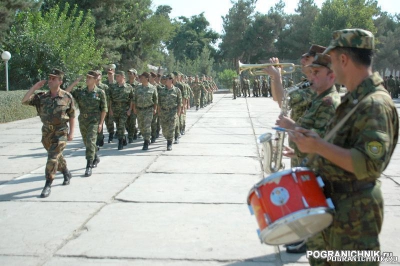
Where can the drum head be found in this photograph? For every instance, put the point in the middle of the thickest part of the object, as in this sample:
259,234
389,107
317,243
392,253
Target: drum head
297,226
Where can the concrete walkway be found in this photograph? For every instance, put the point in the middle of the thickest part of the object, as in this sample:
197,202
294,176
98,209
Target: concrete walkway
184,207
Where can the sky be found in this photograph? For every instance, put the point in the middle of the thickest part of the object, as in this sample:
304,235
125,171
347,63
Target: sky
214,9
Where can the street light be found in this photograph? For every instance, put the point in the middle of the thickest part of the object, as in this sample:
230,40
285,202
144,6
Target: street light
6,56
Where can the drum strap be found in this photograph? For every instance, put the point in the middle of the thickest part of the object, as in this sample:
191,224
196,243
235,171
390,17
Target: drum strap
311,157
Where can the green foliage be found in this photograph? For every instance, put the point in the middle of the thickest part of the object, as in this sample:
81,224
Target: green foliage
226,77
39,43
11,108
192,37
343,14
200,66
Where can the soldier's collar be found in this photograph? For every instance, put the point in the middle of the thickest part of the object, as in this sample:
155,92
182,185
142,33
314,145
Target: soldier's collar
367,86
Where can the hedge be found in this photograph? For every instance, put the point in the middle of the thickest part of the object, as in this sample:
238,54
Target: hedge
11,108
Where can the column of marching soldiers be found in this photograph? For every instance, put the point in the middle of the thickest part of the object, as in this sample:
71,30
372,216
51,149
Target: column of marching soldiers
261,86
145,91
392,85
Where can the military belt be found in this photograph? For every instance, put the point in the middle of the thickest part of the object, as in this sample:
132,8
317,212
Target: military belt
347,187
51,126
144,108
89,114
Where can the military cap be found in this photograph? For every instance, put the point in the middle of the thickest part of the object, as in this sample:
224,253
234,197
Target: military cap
352,38
176,74
170,76
153,74
321,60
122,73
145,74
164,77
56,73
111,68
132,70
92,74
314,49
98,72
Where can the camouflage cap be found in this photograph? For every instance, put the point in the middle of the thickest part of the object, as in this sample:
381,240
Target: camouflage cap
98,72
122,73
321,60
145,74
56,73
132,70
314,49
164,77
92,74
170,76
352,38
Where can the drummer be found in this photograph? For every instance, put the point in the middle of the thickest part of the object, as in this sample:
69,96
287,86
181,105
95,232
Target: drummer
316,118
360,150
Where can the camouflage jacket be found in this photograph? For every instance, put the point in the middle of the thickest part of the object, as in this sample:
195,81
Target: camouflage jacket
321,111
391,83
91,103
121,95
197,86
371,133
183,89
145,96
53,111
299,102
169,98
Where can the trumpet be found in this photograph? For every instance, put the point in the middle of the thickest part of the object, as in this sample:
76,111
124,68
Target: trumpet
257,69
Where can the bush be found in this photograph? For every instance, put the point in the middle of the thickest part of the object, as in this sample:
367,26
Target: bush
11,108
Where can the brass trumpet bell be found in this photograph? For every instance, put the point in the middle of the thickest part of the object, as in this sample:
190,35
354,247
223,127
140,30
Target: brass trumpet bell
257,69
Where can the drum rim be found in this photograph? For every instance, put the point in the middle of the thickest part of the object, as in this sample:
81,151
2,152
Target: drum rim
302,214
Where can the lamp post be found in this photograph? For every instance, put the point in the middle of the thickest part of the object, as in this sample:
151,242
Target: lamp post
6,56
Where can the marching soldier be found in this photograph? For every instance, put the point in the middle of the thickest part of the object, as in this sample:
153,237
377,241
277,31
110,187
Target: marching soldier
56,109
169,106
197,88
391,85
110,82
131,122
235,88
121,96
152,81
93,108
104,87
145,106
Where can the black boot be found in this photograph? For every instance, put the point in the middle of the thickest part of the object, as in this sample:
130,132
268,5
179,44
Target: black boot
120,144
110,137
183,130
124,141
176,140
135,136
100,142
67,176
169,145
47,189
153,139
96,161
89,167
145,145
158,134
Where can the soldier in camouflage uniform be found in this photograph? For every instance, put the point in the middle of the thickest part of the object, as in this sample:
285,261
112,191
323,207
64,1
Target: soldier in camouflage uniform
145,106
121,96
391,85
264,87
197,88
169,107
131,121
56,109
235,87
186,106
109,120
152,81
316,118
92,111
351,162
191,93
104,87
246,87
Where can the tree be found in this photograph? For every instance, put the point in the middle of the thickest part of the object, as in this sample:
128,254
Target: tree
226,77
343,14
8,10
295,38
40,42
192,37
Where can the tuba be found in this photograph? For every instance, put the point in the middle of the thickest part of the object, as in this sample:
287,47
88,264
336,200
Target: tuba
272,147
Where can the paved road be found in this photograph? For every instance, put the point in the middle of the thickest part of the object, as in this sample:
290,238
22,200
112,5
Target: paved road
184,207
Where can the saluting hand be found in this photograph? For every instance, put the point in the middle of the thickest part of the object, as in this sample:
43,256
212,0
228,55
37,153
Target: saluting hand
39,84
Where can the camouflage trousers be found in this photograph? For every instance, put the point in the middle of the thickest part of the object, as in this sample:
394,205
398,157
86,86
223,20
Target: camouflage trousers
182,120
109,121
197,96
210,97
145,117
357,222
234,92
131,125
316,243
54,140
178,126
88,127
168,120
120,118
154,125
246,91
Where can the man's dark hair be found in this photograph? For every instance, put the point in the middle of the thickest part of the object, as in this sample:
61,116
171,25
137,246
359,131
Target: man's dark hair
359,56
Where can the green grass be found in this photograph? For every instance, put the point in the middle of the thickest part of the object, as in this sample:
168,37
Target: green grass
11,108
